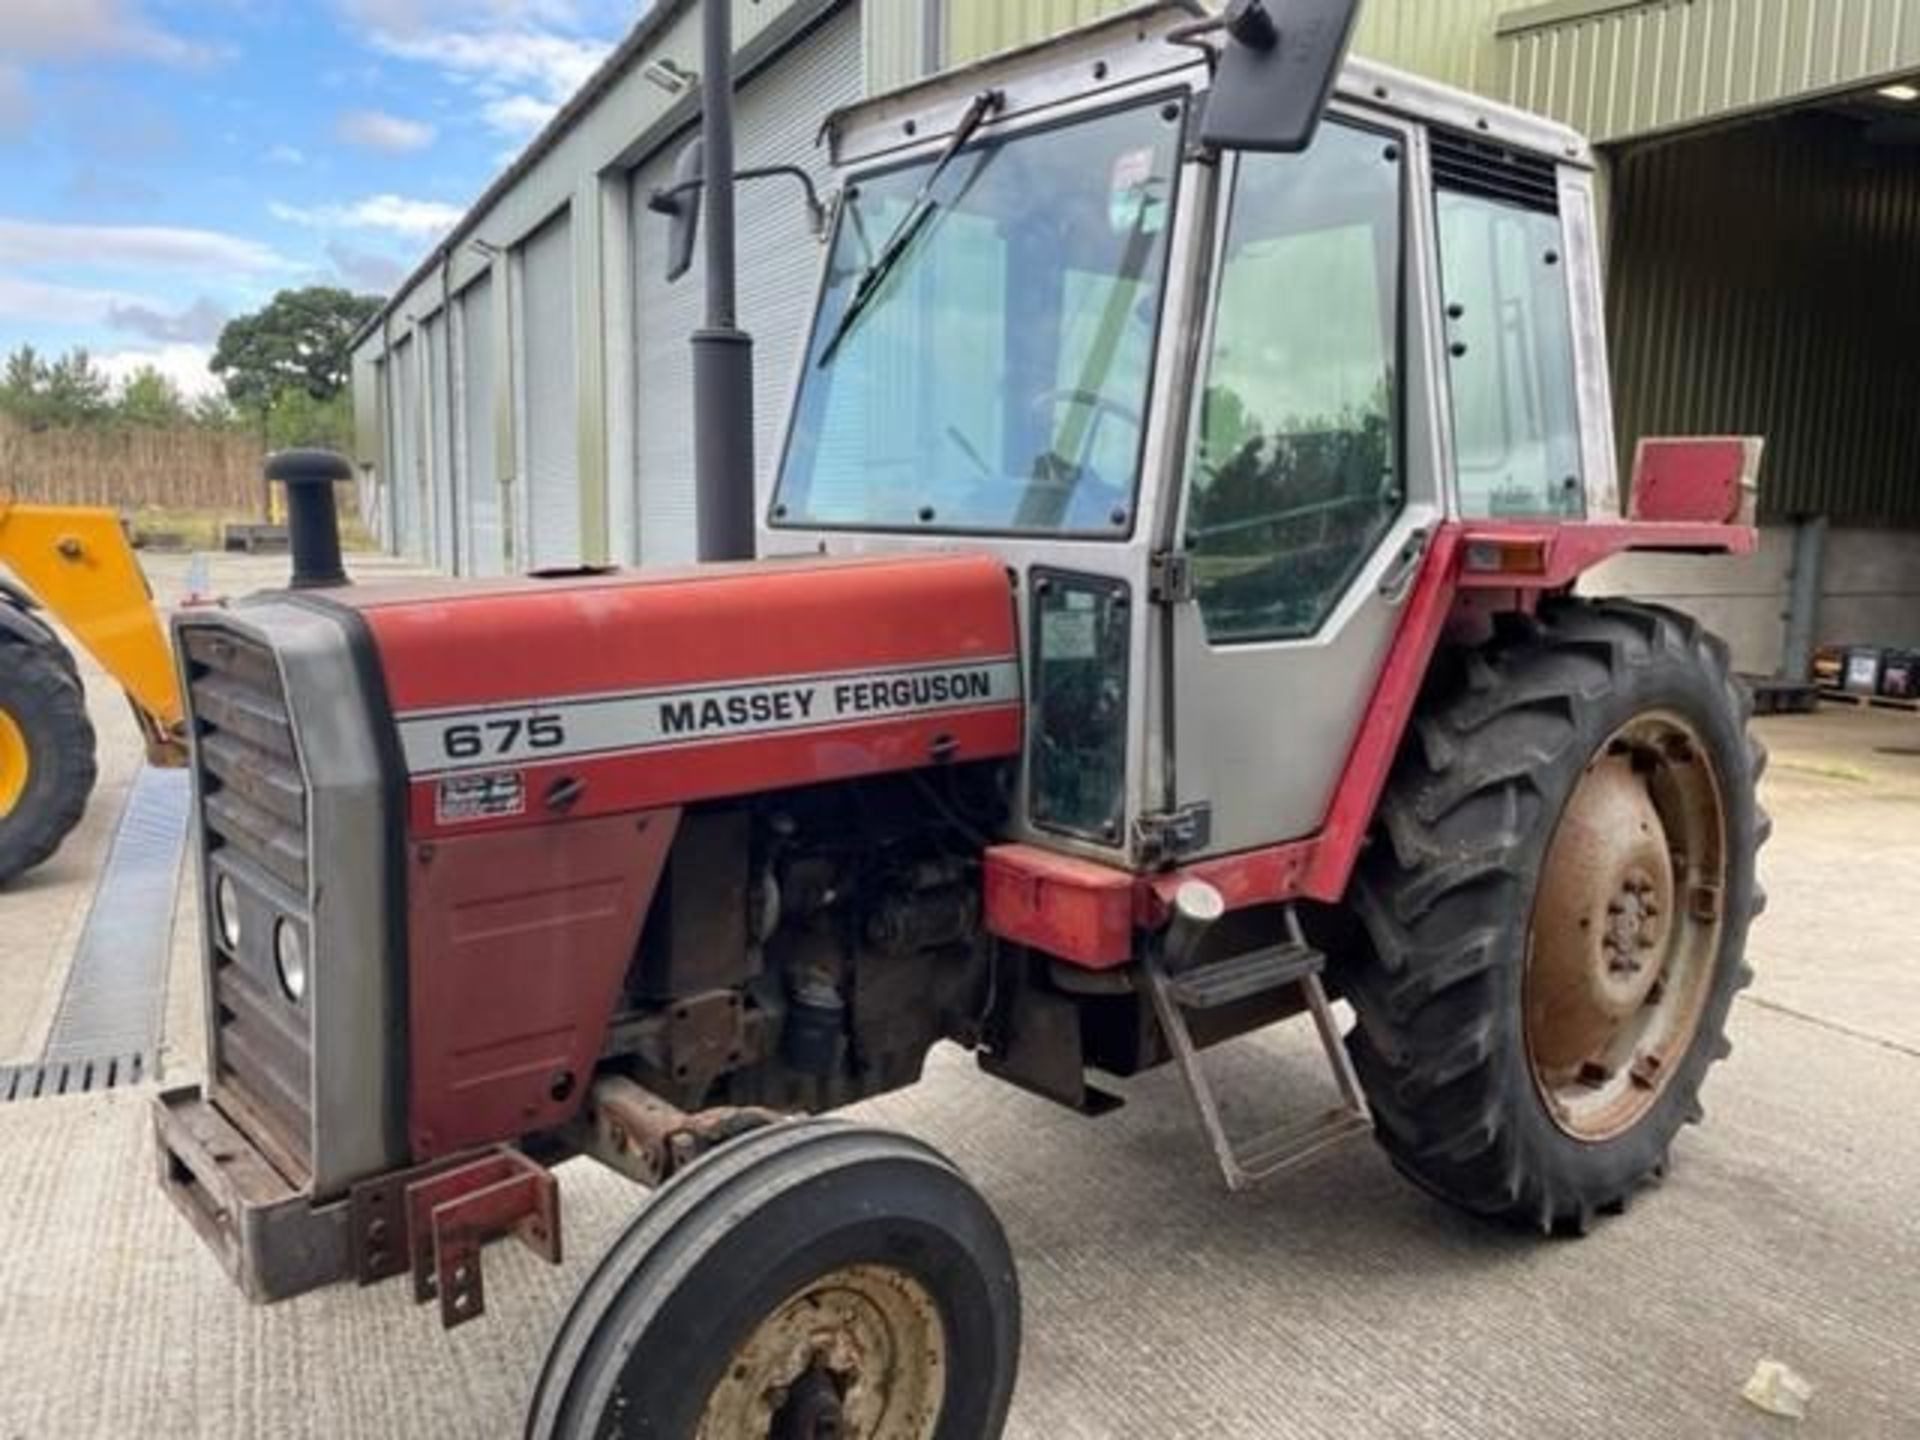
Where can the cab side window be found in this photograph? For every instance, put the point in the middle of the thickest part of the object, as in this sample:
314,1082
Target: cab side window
1295,472
1516,426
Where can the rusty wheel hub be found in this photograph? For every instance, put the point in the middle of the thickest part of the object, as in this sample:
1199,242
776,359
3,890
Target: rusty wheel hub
858,1355
1626,927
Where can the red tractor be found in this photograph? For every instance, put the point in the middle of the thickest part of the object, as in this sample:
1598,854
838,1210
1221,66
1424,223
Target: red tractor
1165,623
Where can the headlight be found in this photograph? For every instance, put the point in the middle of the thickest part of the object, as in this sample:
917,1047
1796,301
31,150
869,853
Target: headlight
226,912
290,959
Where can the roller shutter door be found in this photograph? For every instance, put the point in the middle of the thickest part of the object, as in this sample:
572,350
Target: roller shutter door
482,542
779,116
403,444
549,416
440,482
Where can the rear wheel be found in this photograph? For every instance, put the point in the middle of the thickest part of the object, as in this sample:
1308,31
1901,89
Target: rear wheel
47,767
810,1281
1558,902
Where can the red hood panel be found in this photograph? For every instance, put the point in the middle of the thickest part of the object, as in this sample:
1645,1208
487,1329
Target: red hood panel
530,700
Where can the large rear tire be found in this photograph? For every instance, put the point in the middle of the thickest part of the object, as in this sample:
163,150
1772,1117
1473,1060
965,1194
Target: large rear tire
1558,899
811,1279
47,765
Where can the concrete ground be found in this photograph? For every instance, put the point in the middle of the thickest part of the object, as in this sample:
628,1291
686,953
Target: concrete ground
1335,1301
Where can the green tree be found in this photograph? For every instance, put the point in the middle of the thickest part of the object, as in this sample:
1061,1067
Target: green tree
23,381
76,391
296,420
150,398
213,411
299,341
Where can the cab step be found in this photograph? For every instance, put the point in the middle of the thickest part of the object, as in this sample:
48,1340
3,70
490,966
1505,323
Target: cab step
1218,983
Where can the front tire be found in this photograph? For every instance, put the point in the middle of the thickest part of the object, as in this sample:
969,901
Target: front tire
813,1278
1558,898
47,766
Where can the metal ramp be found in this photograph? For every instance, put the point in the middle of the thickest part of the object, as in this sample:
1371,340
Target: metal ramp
1180,989
106,1032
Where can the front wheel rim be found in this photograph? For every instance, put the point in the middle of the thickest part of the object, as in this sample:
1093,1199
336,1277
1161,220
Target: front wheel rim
16,764
859,1354
1626,927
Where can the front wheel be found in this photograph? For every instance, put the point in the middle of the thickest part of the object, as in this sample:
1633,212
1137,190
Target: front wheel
47,766
1558,900
814,1280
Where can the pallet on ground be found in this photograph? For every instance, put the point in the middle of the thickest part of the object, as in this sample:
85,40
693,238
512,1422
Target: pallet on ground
1865,702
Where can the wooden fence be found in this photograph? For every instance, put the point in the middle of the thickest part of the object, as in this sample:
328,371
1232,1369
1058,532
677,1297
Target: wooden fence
132,469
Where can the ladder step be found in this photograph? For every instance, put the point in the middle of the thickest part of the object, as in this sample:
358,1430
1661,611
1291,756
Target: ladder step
1222,982
1269,1154
1247,1162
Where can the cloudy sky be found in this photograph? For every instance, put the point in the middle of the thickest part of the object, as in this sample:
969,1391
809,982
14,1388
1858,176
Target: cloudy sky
166,164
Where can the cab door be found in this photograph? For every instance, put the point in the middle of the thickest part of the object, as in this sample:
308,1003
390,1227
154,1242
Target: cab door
1312,478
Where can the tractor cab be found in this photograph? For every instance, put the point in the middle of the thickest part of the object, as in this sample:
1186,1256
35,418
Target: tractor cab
1210,397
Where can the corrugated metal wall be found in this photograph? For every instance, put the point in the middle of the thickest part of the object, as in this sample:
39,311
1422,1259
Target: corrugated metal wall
1764,282
1451,40
1662,65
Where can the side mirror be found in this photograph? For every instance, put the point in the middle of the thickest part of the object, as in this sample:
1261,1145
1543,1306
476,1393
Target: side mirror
680,203
1276,72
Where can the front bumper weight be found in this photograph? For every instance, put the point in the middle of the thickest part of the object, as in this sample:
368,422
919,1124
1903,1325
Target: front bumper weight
268,1235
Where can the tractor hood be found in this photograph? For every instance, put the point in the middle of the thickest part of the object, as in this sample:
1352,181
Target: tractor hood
519,700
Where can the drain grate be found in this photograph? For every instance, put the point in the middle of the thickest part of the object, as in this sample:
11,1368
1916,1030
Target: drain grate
107,1029
70,1077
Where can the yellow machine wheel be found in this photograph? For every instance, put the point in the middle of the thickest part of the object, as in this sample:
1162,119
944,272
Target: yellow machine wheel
47,765
16,764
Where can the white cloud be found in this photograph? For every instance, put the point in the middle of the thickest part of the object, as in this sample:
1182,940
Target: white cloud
551,65
44,303
519,59
518,115
185,365
286,155
414,218
87,29
377,130
34,242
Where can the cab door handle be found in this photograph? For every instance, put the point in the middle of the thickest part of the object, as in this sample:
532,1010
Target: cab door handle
1398,581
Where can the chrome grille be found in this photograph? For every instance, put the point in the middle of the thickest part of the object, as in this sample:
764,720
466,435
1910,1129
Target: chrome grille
253,812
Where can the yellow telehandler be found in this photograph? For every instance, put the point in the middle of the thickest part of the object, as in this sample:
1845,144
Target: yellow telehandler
76,565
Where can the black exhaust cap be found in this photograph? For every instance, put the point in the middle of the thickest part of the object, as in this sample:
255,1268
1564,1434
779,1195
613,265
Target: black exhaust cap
313,525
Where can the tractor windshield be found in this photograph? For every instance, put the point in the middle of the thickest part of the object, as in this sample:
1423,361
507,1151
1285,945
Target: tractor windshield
996,377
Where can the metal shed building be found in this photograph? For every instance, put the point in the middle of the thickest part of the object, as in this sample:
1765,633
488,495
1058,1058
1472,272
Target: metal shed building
523,398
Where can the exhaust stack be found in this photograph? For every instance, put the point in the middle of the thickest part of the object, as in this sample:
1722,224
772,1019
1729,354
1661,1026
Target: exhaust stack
722,352
313,525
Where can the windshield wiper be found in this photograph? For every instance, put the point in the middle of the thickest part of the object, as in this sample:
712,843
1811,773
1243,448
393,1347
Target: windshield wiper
912,223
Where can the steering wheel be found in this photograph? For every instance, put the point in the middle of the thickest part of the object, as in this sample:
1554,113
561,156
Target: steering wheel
1068,480
1047,401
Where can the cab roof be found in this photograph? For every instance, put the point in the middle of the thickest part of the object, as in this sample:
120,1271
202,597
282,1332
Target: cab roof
1131,47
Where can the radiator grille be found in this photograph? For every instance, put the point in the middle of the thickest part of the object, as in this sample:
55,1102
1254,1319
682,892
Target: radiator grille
253,811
